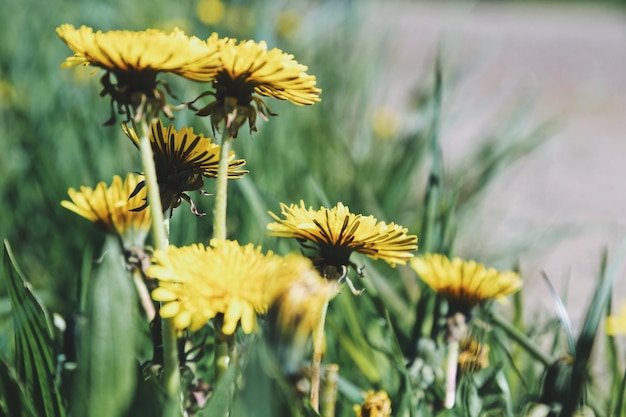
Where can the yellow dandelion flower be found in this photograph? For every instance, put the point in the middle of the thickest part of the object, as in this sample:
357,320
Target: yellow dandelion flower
465,283
197,283
334,234
135,59
112,208
248,68
183,159
473,355
298,294
616,324
375,404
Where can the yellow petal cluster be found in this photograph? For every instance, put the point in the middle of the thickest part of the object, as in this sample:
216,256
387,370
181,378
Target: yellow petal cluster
110,207
182,158
336,233
272,73
198,282
150,50
184,151
298,294
616,324
375,404
465,283
473,355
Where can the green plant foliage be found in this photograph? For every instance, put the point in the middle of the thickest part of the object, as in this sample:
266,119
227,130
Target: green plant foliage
108,344
35,353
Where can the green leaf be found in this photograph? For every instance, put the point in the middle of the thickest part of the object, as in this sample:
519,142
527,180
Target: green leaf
106,372
34,342
220,401
12,398
584,345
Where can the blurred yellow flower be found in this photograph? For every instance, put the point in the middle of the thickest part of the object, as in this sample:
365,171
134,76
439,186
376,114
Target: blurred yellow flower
375,404
182,159
210,11
465,283
112,208
247,68
287,23
473,355
298,294
385,123
197,283
136,58
334,234
616,324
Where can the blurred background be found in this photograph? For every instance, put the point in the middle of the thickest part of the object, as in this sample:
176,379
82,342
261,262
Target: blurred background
532,128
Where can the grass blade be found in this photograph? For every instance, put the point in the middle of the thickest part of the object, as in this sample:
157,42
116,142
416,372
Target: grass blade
586,339
34,342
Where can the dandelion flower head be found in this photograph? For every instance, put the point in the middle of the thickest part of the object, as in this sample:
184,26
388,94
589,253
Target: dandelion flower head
465,283
334,234
183,159
249,68
112,208
375,404
135,58
197,283
298,294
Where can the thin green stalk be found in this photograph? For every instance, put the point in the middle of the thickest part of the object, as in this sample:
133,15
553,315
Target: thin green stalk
171,374
223,351
316,362
329,394
436,171
159,231
221,193
521,338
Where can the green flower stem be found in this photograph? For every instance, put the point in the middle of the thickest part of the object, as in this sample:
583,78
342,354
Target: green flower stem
159,229
222,355
521,338
221,193
171,374
329,394
223,351
316,362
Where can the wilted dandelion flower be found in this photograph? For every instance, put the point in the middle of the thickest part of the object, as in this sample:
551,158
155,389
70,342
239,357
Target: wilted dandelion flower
197,283
135,59
464,283
375,404
111,208
183,159
334,234
248,68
